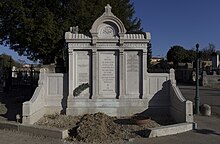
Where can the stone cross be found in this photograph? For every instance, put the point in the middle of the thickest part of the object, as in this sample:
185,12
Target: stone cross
108,10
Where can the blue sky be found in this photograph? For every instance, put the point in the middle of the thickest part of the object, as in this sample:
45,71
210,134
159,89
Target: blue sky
174,22
14,55
180,22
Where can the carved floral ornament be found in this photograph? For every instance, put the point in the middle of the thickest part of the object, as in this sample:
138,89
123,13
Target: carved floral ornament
107,31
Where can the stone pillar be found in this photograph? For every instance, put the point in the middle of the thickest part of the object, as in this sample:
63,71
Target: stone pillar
215,60
144,73
71,73
121,73
94,73
172,77
204,79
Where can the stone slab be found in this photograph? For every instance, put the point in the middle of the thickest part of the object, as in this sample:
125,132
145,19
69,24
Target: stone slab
107,73
171,129
35,130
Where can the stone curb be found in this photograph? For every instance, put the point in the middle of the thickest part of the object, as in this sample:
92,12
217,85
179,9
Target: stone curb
62,134
35,130
171,129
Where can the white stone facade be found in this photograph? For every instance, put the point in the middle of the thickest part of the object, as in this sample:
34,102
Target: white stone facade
112,62
107,73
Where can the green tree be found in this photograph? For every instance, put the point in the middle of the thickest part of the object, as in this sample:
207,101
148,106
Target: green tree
8,61
190,55
35,28
176,54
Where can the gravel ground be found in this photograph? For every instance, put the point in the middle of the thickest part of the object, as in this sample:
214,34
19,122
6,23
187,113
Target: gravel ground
15,137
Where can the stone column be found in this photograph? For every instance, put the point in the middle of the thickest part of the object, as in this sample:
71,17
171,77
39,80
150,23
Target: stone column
144,70
71,73
121,73
172,77
94,73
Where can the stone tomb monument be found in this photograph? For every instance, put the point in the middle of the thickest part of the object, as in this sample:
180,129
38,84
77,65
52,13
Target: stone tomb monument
112,63
107,73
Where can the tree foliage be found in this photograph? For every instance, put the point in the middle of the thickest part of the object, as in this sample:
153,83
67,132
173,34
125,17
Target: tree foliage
179,54
35,28
8,61
206,53
176,54
191,55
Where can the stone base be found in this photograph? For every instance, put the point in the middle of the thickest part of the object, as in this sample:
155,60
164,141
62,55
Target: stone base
171,129
112,107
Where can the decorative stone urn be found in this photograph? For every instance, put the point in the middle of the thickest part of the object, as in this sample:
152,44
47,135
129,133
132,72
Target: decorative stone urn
205,109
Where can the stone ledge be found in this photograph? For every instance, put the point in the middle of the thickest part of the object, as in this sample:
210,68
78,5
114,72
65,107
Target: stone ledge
171,129
62,134
35,130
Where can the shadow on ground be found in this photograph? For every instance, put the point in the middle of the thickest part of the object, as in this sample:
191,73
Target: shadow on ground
124,121
206,131
11,102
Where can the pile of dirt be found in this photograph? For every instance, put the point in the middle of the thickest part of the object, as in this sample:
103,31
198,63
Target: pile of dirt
98,127
58,121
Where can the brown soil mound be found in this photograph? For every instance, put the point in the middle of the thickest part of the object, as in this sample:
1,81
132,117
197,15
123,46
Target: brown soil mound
96,127
58,121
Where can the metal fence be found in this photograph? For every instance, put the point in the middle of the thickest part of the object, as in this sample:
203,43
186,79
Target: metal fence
21,83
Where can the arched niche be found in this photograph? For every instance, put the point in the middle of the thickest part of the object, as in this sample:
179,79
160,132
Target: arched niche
107,26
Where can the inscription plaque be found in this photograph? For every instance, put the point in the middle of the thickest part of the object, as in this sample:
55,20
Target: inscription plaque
107,73
132,72
83,69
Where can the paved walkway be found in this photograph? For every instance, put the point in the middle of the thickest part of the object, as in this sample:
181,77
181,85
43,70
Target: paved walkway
13,137
208,132
207,95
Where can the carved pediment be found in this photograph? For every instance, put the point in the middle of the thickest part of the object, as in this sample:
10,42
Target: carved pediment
107,29
107,26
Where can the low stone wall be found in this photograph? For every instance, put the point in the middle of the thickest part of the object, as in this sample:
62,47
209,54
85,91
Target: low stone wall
181,109
162,97
211,80
157,94
56,92
49,97
35,108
